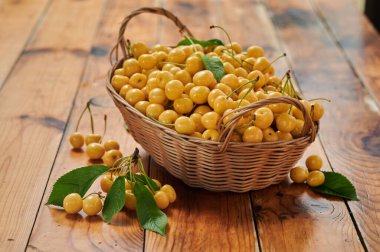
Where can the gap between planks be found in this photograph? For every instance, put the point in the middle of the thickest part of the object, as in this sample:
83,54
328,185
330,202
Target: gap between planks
334,37
33,32
67,119
114,8
280,44
360,186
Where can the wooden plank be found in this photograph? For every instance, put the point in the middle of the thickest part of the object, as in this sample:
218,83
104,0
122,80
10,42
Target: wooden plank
293,218
53,227
360,42
349,130
204,221
34,105
201,220
18,22
289,218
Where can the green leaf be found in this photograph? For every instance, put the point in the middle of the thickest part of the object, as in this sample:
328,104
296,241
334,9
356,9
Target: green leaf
75,181
203,43
214,65
115,199
337,185
149,215
143,179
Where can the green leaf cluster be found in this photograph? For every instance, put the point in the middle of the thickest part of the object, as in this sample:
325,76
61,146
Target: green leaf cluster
80,180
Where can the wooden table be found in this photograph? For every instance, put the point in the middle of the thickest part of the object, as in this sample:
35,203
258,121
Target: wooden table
54,58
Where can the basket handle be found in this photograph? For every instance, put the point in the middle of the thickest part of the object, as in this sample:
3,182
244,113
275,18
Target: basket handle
231,124
122,43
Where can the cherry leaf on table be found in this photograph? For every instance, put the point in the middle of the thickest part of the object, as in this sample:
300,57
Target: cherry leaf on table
337,185
214,65
115,199
149,215
76,181
203,43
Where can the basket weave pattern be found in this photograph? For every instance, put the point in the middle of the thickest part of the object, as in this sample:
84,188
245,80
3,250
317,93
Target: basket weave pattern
215,166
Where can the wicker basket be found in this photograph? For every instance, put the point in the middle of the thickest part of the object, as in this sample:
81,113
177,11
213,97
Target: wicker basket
215,166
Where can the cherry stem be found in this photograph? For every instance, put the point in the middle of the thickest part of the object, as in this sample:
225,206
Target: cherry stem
176,64
279,57
273,61
91,117
141,168
312,111
249,90
285,75
161,123
105,128
80,117
119,163
292,92
245,125
232,56
97,193
290,109
129,47
249,63
320,99
225,32
242,85
189,38
135,154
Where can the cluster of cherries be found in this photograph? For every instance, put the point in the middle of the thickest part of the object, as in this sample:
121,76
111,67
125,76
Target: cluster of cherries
312,175
172,87
95,149
92,204
111,156
163,197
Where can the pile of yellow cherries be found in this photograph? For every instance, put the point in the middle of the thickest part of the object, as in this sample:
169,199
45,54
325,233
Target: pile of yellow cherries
172,87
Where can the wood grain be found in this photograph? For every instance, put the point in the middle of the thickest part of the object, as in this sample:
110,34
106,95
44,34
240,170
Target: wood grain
329,60
289,217
200,220
34,106
54,227
293,218
204,221
349,131
18,22
360,43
